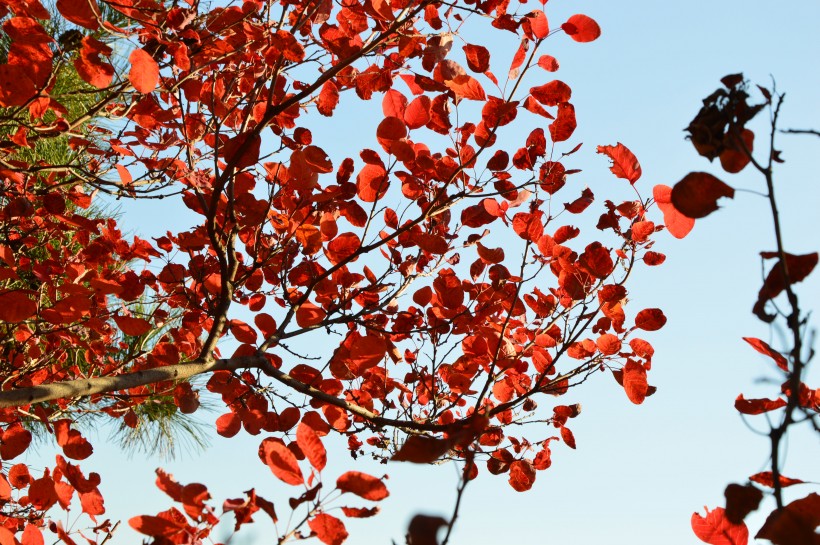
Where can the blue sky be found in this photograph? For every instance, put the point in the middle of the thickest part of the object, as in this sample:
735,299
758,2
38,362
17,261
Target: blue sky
639,471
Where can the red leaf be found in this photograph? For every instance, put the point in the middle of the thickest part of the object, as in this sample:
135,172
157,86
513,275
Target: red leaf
478,58
552,93
32,536
465,86
650,319
568,437
329,529
735,160
758,406
539,24
242,151
795,524
74,445
144,74
418,112
282,462
328,98
312,446
228,424
767,350
17,306
394,104
343,247
363,485
608,344
16,88
581,203
360,512
564,125
155,526
634,382
166,483
581,28
85,13
740,501
548,63
372,183
14,442
766,478
242,332
799,266
90,65
696,195
421,449
490,255
133,327
624,163
308,315
522,475
391,129
717,530
679,225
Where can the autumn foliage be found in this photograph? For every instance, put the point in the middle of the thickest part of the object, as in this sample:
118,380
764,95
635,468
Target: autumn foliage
467,281
719,131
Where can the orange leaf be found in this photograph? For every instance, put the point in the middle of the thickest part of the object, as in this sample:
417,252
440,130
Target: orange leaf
634,382
144,74
363,485
679,225
624,163
465,86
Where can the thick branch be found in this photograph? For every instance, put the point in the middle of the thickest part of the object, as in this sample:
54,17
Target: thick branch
100,385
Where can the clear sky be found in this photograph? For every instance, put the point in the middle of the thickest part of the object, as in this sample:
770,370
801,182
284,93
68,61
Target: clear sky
639,471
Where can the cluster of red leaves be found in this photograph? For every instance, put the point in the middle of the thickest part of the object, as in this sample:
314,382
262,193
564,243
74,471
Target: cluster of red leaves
214,109
719,131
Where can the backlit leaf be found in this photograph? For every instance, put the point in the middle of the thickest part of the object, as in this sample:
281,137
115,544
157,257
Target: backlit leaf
716,529
328,528
312,446
624,163
144,73
758,406
282,462
581,28
17,306
362,485
678,224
